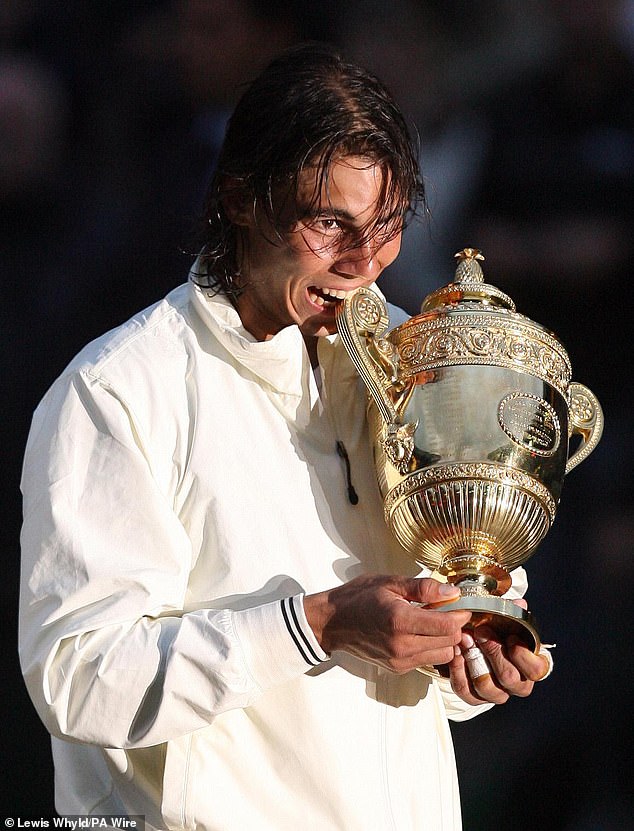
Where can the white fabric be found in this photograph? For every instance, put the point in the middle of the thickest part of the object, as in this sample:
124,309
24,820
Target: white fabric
180,481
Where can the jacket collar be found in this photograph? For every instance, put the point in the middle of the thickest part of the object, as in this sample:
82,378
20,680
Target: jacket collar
281,362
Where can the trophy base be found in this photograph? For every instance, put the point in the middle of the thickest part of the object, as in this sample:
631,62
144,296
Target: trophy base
499,614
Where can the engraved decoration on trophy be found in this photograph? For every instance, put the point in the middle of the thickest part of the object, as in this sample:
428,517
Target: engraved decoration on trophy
472,411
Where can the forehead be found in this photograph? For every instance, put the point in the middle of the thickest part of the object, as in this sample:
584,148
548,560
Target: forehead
349,185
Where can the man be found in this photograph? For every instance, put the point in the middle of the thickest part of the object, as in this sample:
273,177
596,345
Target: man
207,629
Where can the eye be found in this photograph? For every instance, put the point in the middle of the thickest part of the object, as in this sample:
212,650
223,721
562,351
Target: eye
328,224
325,232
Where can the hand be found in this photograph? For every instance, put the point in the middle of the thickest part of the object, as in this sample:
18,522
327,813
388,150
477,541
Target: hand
373,618
514,668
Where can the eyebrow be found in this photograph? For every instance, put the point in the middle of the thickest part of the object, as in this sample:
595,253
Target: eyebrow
315,211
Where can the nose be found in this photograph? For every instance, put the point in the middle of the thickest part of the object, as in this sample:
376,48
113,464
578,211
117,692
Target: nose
360,261
368,259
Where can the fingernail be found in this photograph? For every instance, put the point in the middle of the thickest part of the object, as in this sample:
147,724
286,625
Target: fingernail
448,590
467,640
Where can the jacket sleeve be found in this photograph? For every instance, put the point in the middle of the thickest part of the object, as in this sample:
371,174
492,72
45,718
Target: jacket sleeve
108,652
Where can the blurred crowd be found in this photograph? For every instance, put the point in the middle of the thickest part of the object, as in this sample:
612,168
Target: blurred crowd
111,116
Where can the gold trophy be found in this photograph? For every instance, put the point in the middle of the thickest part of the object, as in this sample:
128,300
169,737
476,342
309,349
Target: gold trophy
471,413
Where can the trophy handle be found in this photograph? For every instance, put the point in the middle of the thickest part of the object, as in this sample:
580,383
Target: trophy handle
361,320
586,419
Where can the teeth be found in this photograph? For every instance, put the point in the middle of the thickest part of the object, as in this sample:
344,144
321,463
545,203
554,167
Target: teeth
339,294
335,294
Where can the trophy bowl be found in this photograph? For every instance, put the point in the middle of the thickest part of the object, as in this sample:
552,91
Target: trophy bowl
472,410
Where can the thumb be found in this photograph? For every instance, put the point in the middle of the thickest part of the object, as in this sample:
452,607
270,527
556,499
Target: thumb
428,591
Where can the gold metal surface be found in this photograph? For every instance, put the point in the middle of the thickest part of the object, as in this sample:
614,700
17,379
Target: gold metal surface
471,411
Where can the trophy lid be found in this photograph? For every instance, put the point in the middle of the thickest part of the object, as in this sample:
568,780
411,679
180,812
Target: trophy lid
469,321
468,285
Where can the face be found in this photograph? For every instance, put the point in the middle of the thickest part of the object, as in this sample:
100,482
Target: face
300,279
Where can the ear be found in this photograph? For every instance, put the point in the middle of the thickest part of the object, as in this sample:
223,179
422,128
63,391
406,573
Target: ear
236,201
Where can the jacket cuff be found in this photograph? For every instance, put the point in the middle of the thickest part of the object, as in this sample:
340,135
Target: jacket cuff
276,640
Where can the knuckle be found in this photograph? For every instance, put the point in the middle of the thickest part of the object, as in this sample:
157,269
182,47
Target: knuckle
446,655
461,688
398,655
397,634
449,624
499,697
491,648
398,665
507,677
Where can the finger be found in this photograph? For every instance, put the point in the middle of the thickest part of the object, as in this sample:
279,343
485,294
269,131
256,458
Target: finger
461,681
481,676
426,590
432,643
416,652
506,674
433,654
531,666
476,663
437,623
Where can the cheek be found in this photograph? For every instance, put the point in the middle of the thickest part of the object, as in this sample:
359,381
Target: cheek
390,251
310,262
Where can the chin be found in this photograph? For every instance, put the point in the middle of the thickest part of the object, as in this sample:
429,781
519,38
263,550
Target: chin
319,331
318,328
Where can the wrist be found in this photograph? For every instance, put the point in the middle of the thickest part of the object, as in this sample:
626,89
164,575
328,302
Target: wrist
319,610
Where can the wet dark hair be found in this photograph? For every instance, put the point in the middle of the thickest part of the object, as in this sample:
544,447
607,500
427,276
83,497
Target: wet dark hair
308,108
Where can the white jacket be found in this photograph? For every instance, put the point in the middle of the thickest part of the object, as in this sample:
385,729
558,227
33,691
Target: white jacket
182,491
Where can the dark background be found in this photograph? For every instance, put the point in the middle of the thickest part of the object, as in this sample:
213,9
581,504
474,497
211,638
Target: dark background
110,118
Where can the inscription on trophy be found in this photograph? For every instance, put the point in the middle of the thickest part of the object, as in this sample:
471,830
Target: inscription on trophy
530,422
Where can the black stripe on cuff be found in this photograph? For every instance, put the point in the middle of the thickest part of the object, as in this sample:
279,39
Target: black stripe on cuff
302,643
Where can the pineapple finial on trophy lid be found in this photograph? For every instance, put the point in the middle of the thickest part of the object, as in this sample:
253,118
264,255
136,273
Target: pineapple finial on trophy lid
468,269
468,286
